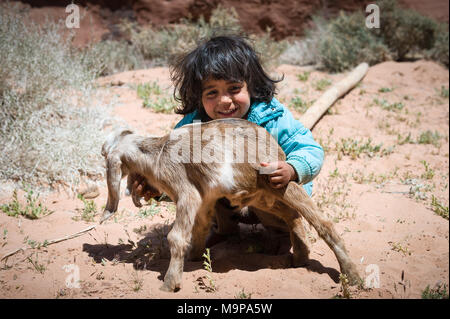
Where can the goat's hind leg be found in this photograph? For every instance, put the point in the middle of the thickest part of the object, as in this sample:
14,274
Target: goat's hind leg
296,197
288,220
202,225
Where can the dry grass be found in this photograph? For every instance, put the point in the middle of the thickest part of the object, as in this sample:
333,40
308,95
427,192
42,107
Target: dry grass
153,46
51,115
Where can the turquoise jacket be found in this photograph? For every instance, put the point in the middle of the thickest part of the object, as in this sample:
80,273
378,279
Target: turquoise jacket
302,152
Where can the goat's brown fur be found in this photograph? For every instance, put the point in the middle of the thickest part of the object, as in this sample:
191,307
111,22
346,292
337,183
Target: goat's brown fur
195,188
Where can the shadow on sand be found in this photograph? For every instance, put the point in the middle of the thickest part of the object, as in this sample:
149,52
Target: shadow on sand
253,249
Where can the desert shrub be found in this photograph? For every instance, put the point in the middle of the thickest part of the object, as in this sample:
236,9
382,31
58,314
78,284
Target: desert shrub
439,52
343,42
110,56
159,43
346,42
438,292
49,130
405,31
300,51
153,46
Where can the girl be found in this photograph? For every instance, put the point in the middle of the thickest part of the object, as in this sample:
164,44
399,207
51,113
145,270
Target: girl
223,78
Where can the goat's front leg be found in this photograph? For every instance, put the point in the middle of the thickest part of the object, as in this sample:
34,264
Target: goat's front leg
113,177
179,238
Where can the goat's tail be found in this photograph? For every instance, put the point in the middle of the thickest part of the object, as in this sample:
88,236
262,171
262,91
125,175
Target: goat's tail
113,177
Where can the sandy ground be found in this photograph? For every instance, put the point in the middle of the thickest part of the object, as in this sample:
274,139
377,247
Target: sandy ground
380,202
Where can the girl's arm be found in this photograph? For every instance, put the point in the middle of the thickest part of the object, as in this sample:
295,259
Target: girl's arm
302,151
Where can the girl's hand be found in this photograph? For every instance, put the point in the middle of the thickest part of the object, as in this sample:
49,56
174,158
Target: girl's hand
143,189
283,174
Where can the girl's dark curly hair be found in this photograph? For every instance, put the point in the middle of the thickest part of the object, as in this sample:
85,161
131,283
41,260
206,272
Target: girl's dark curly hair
228,58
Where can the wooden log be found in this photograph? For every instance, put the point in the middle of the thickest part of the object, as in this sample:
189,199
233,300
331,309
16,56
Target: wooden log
318,109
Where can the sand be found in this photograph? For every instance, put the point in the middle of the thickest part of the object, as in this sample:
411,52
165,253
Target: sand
381,204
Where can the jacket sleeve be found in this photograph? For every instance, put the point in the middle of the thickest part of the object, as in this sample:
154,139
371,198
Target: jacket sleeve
302,151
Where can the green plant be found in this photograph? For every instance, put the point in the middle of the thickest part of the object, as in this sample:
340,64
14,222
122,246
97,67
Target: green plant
444,92
385,90
429,137
304,76
385,105
35,244
322,84
398,247
89,210
161,105
438,292
150,93
152,210
32,210
344,42
429,173
207,265
39,267
404,140
345,287
438,208
354,149
439,52
405,31
137,282
359,177
299,104
243,295
144,91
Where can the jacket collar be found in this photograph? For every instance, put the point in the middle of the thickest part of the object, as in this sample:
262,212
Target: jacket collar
261,112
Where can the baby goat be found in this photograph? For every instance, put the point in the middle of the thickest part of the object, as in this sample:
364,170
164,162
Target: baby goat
200,163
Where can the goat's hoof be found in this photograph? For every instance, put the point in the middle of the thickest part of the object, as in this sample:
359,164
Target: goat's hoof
353,276
106,214
170,286
354,279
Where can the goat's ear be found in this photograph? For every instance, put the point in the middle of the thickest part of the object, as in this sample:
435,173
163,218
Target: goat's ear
112,139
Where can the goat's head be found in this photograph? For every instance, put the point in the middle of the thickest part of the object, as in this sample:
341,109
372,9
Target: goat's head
113,138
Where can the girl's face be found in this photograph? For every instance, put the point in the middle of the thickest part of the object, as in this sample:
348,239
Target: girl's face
225,99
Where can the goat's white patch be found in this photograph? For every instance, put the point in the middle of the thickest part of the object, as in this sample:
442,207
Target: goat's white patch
226,178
